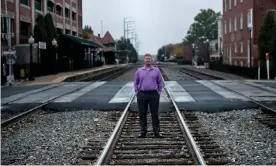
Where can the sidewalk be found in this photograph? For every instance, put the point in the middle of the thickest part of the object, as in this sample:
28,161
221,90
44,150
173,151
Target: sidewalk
57,78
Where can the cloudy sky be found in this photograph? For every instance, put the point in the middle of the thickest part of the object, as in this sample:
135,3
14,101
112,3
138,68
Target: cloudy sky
157,22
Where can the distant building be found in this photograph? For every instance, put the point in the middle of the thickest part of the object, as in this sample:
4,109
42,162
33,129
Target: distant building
67,17
237,14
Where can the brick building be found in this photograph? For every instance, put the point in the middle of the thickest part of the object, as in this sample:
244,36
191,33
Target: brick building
237,14
67,16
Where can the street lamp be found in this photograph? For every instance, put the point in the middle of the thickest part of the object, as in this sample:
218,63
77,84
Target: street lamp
250,27
207,46
54,43
31,42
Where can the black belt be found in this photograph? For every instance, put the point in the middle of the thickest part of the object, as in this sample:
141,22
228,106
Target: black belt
148,91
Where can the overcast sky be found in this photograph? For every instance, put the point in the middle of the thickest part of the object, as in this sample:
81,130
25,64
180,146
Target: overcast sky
157,22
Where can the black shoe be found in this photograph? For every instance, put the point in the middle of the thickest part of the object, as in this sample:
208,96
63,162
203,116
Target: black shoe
143,135
157,135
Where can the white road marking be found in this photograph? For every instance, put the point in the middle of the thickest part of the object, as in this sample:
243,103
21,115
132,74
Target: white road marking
124,94
249,91
221,91
178,93
72,96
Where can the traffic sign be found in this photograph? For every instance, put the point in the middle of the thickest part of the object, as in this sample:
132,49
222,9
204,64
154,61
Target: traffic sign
42,45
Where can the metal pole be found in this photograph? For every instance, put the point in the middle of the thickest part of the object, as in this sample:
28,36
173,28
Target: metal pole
250,48
31,78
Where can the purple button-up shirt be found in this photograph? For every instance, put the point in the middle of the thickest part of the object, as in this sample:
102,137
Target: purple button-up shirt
148,80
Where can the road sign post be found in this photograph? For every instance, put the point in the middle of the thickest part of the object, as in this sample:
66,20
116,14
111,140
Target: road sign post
11,57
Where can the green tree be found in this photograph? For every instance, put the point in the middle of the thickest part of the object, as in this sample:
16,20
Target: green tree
40,33
50,28
125,47
265,36
273,51
205,25
88,29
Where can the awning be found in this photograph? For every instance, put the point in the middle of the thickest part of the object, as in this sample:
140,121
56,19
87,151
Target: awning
81,41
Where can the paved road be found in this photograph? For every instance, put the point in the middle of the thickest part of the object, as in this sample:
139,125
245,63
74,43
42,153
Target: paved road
199,95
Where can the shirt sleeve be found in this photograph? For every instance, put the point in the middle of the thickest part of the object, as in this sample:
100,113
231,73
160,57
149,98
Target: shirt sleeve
136,81
159,82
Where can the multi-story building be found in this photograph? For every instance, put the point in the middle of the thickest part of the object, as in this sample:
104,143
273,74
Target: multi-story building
67,16
237,15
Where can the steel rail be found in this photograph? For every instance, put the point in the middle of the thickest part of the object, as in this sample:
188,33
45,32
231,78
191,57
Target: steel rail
112,140
186,129
7,122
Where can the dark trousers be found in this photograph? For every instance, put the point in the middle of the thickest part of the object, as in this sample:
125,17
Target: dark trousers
152,99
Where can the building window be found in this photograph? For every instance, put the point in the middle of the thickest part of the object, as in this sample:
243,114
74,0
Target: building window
241,22
230,4
230,26
59,31
50,6
241,47
67,13
4,25
67,31
59,10
225,27
235,47
235,23
25,28
38,5
74,16
241,62
235,2
74,33
249,16
24,2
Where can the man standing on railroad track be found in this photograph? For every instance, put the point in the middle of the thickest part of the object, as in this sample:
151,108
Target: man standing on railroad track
148,87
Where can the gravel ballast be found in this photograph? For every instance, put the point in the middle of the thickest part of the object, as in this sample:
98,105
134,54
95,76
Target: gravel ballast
52,138
245,139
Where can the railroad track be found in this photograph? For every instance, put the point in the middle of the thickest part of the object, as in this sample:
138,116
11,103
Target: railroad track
13,119
199,76
178,145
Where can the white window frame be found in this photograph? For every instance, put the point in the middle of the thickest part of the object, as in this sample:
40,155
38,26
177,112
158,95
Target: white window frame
241,50
225,27
230,25
235,23
241,21
230,5
241,1
235,47
235,2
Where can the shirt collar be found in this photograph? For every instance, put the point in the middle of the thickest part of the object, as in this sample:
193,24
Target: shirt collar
144,67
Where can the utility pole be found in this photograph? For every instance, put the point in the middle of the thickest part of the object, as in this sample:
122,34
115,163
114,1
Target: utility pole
10,54
126,32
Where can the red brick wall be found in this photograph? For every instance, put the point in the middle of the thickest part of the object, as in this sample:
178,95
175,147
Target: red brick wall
25,11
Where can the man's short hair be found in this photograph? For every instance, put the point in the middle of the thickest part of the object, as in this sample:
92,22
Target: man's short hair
147,55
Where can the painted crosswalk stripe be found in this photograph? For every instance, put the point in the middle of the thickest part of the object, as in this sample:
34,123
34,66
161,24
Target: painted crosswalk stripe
221,91
124,94
178,92
249,91
11,98
77,94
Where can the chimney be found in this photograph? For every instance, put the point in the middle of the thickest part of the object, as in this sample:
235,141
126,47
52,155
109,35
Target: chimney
99,35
